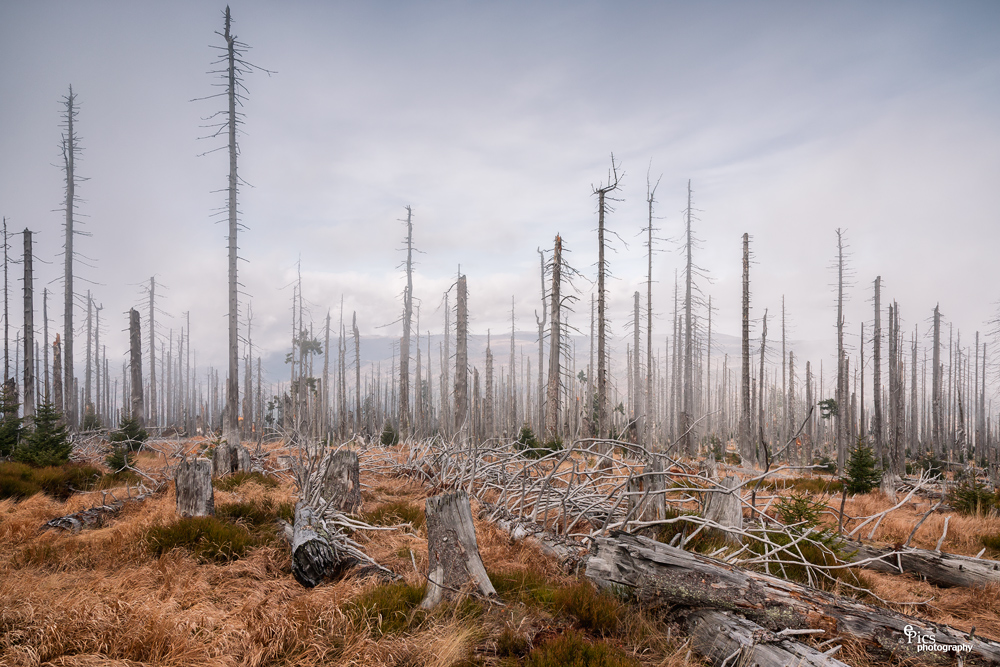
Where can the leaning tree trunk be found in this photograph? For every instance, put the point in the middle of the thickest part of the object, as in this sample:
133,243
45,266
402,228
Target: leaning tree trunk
452,551
195,496
666,577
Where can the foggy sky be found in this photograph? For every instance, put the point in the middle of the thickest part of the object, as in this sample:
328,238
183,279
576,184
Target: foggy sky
495,121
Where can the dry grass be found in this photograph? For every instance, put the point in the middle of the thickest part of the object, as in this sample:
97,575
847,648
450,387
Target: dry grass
101,598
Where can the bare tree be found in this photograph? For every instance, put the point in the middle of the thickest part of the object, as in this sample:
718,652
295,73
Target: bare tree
602,191
29,330
842,412
552,404
135,366
541,322
404,342
648,412
936,407
461,354
746,448
70,150
877,426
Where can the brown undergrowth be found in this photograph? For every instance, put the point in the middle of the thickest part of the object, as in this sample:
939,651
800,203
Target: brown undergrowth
104,596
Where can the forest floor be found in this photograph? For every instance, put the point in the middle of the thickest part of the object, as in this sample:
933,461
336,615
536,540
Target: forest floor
138,592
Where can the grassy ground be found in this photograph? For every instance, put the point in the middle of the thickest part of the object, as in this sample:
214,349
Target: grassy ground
135,593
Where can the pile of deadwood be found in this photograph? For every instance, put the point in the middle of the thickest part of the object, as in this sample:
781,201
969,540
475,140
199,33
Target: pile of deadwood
592,506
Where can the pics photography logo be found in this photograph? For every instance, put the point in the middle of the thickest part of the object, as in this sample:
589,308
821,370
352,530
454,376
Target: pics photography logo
927,642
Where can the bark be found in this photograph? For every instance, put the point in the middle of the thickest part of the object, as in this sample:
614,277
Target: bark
541,321
648,413
195,496
452,551
232,379
29,331
138,410
720,637
661,576
602,373
637,411
841,419
937,428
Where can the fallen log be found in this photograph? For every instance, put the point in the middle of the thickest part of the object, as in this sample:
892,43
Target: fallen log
662,576
93,517
727,639
938,568
313,557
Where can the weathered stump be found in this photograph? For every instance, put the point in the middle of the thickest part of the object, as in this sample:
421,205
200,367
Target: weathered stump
725,508
721,637
193,482
452,551
229,458
341,481
651,504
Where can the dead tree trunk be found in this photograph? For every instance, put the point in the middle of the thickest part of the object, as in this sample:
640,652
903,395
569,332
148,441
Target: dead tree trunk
936,567
602,372
687,409
233,377
726,509
153,420
57,384
541,321
842,416
721,637
135,367
666,577
461,355
746,449
555,340
357,371
649,415
637,410
29,331
452,551
70,150
877,427
313,558
341,483
404,342
193,482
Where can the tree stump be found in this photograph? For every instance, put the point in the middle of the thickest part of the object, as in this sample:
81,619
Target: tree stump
195,496
452,550
726,509
229,458
341,482
651,504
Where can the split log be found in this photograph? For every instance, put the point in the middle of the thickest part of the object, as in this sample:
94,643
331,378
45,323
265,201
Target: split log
940,569
193,483
725,508
726,639
313,557
341,481
452,550
663,576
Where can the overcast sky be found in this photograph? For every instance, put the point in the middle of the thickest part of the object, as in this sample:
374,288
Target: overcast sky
494,121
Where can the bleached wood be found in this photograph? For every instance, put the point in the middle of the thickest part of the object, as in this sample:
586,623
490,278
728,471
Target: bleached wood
452,551
663,576
195,495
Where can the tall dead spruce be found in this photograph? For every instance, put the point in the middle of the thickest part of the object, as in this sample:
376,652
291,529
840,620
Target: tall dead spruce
70,150
235,68
602,191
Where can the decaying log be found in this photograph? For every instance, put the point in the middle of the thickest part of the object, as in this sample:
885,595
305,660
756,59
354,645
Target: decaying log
726,509
727,639
195,496
567,551
940,569
93,517
313,557
341,481
452,550
663,576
